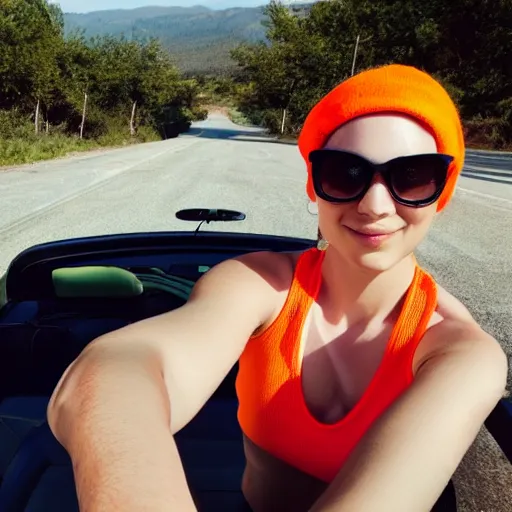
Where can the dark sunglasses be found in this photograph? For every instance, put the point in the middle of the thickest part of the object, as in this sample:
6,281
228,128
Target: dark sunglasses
416,180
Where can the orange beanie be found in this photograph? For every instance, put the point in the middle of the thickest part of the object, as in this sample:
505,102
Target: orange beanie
391,88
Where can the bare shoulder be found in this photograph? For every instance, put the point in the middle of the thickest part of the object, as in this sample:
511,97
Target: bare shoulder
451,308
456,334
275,268
262,271
256,280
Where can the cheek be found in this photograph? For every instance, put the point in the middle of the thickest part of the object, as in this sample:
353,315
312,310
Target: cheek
329,216
418,220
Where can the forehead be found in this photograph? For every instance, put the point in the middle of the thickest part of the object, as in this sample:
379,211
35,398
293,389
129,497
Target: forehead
382,137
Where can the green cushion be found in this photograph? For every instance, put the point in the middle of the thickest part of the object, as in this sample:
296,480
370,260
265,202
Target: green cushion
95,281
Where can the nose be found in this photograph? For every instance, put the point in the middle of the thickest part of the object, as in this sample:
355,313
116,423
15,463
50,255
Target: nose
377,202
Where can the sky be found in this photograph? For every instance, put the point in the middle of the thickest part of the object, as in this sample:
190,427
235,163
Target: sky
97,5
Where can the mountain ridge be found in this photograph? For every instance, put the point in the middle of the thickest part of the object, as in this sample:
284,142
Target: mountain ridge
199,38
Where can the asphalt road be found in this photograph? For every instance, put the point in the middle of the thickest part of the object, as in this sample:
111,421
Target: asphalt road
218,164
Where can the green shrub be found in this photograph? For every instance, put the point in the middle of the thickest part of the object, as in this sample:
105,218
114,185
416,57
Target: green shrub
14,125
19,143
488,132
238,117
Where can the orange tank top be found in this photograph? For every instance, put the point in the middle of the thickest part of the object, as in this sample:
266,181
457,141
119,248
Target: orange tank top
272,410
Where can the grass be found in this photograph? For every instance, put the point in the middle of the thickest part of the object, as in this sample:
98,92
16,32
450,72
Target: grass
24,151
17,151
20,145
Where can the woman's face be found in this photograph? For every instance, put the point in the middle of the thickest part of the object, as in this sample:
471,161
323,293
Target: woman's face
378,138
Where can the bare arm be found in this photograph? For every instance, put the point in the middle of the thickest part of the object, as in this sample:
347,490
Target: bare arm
408,456
118,404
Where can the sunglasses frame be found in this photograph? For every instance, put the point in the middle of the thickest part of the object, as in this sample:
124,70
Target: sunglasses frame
383,169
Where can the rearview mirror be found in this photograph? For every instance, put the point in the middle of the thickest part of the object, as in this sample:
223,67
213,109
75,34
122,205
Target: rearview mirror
209,215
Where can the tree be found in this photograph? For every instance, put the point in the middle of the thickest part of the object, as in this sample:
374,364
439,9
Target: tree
30,36
279,70
311,49
89,86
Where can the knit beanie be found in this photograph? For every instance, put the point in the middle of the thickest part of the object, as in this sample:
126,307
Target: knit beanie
390,88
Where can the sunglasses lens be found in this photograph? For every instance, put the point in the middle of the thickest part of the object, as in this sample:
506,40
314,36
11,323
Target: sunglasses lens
341,176
419,178
416,180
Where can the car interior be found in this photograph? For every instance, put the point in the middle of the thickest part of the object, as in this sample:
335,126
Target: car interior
62,297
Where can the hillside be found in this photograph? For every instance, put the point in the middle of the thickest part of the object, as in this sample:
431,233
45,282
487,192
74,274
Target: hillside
199,38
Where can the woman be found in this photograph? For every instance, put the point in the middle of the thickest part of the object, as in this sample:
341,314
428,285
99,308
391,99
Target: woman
362,383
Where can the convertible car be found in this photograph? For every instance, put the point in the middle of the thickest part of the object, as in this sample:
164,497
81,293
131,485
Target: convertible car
62,295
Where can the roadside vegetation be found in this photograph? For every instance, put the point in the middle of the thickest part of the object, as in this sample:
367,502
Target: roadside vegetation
466,44
221,94
64,94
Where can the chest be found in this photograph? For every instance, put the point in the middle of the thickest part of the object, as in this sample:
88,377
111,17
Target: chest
338,364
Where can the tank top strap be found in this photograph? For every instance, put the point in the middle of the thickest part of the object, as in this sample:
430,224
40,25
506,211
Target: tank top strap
420,303
308,273
304,288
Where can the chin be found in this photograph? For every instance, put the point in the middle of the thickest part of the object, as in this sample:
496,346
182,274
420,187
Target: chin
377,261
370,260
374,255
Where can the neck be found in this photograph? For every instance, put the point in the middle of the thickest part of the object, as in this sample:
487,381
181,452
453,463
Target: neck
362,295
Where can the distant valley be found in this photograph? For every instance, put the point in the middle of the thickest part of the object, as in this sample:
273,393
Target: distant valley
200,39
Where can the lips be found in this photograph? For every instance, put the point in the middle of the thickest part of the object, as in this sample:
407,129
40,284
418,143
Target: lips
372,238
371,232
